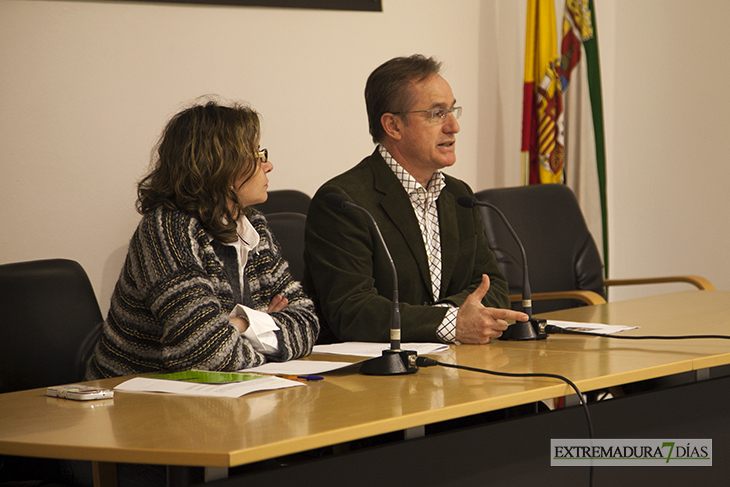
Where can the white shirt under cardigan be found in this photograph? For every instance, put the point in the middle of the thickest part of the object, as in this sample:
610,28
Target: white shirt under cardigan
260,331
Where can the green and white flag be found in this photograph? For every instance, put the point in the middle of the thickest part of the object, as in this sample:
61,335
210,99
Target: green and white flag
585,154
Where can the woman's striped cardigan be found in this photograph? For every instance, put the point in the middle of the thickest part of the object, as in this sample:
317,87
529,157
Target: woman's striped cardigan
169,310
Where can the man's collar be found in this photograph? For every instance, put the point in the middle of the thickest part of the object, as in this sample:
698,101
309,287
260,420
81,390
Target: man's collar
411,185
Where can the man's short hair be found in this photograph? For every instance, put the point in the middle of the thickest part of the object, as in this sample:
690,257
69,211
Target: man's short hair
388,89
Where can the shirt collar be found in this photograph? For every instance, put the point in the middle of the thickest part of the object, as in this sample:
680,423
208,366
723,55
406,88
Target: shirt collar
248,237
435,184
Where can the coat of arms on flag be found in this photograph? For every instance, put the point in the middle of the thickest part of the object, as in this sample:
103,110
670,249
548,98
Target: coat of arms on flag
562,117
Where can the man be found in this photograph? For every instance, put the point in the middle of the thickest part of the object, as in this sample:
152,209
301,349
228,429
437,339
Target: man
450,288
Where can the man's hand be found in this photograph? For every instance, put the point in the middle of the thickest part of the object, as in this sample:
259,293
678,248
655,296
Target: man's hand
476,323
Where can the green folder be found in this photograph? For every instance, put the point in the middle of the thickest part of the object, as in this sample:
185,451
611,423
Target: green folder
206,377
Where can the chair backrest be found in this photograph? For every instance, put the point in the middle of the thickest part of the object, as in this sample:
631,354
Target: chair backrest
561,253
48,318
285,200
288,229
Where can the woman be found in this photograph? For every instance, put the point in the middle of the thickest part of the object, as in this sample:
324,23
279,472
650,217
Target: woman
204,285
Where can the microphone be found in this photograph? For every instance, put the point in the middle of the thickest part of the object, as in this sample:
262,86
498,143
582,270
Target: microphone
394,361
532,329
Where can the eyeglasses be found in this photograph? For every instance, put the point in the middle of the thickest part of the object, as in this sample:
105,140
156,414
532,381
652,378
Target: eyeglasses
263,155
437,114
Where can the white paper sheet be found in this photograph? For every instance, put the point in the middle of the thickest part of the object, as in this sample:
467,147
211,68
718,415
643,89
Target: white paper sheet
297,367
369,349
590,327
231,389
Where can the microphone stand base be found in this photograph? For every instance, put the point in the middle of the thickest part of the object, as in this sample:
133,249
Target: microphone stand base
392,362
533,329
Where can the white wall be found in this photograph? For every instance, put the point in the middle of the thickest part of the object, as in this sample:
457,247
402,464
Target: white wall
670,140
85,89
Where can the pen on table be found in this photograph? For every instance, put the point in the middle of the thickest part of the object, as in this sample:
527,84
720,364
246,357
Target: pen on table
302,377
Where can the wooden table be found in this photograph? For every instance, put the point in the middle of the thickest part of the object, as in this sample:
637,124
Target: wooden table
347,406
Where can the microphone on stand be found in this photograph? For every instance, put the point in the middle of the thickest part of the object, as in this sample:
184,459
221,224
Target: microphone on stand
393,361
532,329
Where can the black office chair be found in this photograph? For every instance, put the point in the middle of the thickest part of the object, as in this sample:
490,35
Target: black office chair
285,200
288,229
49,318
49,323
565,268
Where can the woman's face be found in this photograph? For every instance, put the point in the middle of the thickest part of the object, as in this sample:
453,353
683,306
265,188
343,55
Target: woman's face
253,191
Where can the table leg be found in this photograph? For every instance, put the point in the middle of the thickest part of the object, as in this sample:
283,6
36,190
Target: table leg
105,474
181,476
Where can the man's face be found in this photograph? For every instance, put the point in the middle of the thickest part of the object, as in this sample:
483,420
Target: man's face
429,144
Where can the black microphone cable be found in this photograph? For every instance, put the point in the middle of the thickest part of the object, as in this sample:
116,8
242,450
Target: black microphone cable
422,361
553,329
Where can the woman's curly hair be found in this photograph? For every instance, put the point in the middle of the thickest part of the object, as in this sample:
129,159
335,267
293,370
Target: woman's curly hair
201,151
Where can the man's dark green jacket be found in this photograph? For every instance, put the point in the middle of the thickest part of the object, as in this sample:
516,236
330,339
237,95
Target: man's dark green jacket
348,273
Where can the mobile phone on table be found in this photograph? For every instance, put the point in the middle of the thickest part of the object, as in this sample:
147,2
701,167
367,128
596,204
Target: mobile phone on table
78,392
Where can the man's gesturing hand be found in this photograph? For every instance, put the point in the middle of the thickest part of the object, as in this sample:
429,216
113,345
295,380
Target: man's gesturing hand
476,323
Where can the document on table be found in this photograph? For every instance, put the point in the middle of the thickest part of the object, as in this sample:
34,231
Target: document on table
369,349
214,384
297,367
590,327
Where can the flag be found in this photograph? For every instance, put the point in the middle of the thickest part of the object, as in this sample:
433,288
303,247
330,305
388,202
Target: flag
562,112
585,156
542,144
